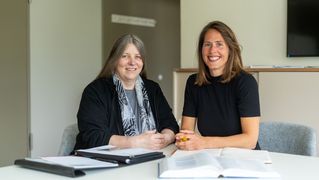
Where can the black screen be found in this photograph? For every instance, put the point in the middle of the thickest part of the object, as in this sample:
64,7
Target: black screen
303,28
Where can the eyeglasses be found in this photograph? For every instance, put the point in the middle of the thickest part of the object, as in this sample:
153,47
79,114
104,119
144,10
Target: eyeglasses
217,44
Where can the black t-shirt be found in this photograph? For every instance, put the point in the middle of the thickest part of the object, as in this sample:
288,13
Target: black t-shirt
219,106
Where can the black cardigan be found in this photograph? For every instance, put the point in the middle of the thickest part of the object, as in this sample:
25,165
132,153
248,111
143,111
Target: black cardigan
99,115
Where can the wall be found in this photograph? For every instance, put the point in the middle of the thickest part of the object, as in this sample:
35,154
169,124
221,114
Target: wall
260,26
65,55
290,97
13,78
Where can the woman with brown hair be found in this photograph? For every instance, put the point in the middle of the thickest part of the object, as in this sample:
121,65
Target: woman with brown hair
222,98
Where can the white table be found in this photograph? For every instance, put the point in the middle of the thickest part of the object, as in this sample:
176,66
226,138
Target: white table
290,167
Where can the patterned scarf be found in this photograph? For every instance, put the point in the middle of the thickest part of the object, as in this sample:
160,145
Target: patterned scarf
145,114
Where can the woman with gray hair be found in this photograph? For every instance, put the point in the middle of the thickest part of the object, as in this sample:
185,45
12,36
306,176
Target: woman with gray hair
123,108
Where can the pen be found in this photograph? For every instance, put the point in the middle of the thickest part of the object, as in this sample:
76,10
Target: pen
184,139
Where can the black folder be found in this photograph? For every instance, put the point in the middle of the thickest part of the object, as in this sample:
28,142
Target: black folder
131,159
49,167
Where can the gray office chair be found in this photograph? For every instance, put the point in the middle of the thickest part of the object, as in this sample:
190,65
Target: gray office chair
287,138
68,140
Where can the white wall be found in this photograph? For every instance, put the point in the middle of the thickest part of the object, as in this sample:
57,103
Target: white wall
65,55
260,26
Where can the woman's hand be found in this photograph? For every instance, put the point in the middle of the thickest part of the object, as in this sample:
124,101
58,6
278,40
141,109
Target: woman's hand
189,140
152,139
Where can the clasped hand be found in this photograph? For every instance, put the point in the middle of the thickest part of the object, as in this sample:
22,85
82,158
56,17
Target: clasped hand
151,140
189,140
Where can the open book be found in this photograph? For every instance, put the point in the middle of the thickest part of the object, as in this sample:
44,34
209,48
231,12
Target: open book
204,165
124,156
235,153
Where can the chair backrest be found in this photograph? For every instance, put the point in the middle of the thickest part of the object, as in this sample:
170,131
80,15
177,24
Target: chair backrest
287,138
68,139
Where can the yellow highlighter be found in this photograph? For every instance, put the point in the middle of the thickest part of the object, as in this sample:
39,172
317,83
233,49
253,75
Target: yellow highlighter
184,139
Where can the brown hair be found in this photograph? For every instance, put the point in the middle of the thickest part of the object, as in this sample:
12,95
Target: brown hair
117,51
234,63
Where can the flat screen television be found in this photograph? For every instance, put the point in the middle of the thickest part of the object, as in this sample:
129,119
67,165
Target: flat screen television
303,28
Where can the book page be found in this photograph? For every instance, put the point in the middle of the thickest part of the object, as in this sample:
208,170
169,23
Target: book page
212,152
248,154
79,162
197,165
246,168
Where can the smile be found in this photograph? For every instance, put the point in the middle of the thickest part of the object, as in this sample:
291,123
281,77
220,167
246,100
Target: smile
131,69
213,58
